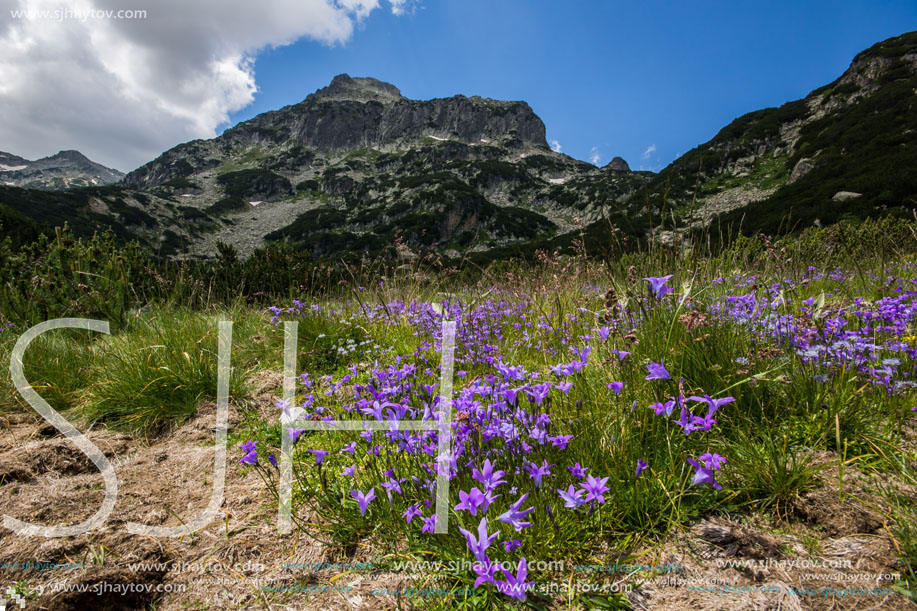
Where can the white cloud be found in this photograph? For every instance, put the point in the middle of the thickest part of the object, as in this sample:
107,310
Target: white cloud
594,156
124,90
401,7
555,146
649,151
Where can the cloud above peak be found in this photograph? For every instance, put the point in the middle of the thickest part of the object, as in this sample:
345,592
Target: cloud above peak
649,151
124,85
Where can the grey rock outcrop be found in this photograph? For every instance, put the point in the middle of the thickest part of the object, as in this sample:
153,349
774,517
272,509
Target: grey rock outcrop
618,164
361,89
846,196
802,167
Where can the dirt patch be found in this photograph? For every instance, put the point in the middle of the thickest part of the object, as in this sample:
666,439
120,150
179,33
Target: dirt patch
57,456
738,540
836,516
106,590
724,564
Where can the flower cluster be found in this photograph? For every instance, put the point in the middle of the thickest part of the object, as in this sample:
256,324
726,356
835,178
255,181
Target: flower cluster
511,425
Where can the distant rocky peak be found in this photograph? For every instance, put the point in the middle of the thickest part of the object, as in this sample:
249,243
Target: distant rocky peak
69,155
344,87
619,164
62,170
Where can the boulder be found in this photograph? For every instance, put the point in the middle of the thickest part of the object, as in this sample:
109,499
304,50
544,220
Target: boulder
802,167
844,196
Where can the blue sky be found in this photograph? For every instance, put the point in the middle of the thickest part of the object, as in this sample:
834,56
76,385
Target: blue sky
644,80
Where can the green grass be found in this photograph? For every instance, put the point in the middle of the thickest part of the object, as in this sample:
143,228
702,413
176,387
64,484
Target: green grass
56,365
159,365
148,376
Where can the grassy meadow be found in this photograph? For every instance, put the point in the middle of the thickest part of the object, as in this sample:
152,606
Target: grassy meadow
601,405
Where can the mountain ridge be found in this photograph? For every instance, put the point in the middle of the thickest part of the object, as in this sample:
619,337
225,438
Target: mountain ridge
65,169
356,166
357,169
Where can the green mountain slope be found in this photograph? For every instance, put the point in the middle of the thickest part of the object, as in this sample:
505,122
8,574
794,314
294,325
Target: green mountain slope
847,149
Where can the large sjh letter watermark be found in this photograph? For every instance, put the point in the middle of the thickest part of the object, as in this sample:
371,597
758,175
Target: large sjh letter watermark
443,426
99,459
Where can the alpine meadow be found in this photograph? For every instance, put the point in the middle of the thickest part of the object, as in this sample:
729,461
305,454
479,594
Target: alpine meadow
366,351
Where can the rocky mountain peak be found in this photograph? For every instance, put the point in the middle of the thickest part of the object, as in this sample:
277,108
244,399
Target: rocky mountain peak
59,171
344,87
11,160
69,155
618,164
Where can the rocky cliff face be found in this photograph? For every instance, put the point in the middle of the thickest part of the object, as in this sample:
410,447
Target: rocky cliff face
63,170
353,113
362,112
357,167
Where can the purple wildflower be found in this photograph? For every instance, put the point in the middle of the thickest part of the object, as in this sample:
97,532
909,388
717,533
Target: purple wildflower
473,500
515,514
412,512
391,486
363,499
578,471
319,455
616,387
685,421
712,404
642,466
485,570
658,285
512,545
515,585
666,409
479,546
536,473
488,478
572,498
251,454
703,475
657,372
429,524
295,433
595,488
714,460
